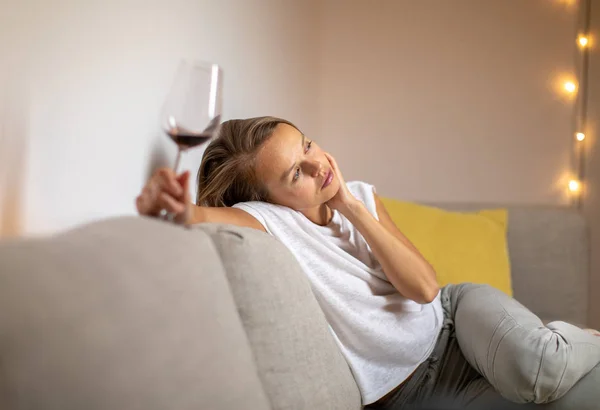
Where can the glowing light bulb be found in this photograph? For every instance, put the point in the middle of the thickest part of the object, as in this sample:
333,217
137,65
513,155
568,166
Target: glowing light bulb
580,136
583,41
570,86
574,185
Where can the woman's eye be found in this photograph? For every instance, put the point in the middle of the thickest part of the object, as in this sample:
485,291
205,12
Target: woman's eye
296,174
308,146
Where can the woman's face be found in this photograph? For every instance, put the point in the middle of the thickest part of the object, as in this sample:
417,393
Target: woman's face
294,170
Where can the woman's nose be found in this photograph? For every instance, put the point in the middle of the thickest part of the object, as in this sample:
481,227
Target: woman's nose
315,168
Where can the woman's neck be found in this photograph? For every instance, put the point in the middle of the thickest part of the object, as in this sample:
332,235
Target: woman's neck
320,215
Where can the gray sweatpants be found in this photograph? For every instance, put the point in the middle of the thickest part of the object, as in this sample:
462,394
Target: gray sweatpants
493,353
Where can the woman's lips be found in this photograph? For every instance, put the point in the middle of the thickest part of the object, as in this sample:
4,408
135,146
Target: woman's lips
328,180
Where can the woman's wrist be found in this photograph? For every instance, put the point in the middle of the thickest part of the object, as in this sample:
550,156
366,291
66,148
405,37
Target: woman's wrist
353,210
194,215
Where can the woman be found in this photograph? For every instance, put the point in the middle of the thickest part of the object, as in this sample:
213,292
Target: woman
406,342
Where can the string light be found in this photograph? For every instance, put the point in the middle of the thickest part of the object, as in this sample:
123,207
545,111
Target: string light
579,87
574,186
570,86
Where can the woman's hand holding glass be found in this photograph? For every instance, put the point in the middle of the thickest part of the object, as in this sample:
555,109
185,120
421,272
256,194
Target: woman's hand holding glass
166,191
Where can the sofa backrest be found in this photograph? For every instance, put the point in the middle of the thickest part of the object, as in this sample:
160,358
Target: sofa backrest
549,253
128,313
298,360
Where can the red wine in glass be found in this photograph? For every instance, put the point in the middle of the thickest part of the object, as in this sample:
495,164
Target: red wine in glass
185,138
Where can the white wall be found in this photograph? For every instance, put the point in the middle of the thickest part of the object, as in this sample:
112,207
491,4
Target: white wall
92,78
451,101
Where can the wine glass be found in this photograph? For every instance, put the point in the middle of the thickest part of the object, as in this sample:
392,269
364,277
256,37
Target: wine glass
191,114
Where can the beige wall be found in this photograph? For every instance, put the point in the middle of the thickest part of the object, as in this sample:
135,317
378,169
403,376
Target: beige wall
592,199
449,100
459,101
93,77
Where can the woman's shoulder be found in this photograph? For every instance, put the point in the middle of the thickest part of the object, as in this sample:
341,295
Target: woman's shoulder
266,209
265,212
260,205
361,188
364,192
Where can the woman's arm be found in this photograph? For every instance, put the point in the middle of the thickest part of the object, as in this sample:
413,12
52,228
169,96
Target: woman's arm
402,263
232,216
165,190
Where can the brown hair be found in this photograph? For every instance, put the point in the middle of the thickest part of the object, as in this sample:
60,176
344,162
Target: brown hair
227,173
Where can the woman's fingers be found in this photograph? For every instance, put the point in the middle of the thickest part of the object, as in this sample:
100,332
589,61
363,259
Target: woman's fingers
184,181
332,161
186,216
143,206
168,182
334,166
170,204
146,201
164,190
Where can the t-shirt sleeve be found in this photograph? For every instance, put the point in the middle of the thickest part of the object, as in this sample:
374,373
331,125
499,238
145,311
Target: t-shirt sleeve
253,209
371,191
365,192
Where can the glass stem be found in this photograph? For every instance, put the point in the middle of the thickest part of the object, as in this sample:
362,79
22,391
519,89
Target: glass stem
164,215
176,167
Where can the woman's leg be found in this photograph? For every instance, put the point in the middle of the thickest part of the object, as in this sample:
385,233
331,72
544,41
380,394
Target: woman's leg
446,381
459,389
585,395
522,359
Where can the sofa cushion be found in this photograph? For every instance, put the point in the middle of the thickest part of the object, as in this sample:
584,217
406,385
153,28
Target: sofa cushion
461,246
299,362
128,313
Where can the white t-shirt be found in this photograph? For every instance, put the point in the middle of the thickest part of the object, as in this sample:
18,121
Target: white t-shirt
382,335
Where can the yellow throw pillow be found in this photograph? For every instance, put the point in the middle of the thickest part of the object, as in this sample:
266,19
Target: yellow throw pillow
461,246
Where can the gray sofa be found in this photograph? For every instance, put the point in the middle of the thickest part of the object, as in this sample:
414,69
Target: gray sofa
134,313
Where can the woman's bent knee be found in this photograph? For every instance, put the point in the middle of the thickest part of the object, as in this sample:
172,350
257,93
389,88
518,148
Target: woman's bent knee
545,363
